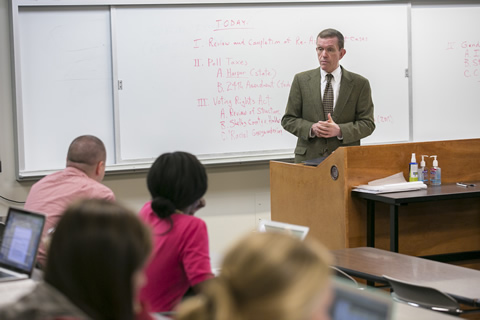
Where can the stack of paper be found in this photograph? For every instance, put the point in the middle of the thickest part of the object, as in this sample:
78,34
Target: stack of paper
394,183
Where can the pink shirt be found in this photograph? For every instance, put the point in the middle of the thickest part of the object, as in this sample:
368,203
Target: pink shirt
180,258
52,194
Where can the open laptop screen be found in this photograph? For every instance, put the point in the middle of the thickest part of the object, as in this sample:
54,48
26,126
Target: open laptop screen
21,237
282,227
354,304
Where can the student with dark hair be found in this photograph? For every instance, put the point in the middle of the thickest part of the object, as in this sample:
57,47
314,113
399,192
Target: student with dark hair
94,269
180,260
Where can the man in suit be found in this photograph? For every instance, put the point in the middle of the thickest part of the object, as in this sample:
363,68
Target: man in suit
319,130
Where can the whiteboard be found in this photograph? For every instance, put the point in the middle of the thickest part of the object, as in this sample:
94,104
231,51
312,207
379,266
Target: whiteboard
214,80
65,87
182,86
446,71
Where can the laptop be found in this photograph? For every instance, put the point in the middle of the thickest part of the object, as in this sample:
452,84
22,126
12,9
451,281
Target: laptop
352,303
275,226
19,244
314,162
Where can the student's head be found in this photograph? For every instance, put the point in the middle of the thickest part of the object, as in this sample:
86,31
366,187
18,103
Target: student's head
96,258
266,276
330,49
88,154
176,181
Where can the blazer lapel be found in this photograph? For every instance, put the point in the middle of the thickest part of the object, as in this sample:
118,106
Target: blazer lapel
346,86
314,84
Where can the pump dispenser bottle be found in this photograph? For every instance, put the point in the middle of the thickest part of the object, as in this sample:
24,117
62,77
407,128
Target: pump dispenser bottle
435,173
413,169
423,173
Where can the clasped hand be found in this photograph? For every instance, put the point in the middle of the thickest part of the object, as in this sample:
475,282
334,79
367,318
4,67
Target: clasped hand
326,129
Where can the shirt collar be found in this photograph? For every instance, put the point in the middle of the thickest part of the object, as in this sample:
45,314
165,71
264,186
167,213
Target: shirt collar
337,74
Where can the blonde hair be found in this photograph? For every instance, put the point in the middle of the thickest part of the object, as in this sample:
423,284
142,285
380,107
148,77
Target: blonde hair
264,276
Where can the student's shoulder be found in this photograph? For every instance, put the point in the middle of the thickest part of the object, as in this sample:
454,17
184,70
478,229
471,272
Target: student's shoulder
188,222
53,177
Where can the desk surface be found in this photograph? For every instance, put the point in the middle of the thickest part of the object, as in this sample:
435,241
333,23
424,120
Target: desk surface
372,264
432,193
403,311
11,291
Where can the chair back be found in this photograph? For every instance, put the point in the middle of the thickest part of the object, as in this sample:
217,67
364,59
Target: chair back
343,275
424,297
166,315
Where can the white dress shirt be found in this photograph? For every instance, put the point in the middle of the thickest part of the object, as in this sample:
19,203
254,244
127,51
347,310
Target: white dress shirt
337,77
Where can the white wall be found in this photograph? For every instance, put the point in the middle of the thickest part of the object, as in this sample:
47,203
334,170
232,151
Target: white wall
237,196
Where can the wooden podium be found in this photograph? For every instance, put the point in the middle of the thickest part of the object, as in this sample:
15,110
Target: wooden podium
311,196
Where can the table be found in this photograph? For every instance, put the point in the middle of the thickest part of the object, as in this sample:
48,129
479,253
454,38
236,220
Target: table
371,264
403,311
397,199
358,303
11,291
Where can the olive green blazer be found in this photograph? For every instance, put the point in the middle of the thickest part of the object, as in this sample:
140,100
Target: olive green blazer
353,113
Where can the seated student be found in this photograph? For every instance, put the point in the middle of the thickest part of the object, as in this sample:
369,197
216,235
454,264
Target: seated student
94,268
266,276
180,259
81,179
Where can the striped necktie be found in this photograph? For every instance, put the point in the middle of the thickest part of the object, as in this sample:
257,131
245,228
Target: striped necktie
328,96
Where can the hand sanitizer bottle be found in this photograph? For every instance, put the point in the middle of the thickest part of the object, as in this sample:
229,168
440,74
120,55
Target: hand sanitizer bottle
413,170
435,173
423,173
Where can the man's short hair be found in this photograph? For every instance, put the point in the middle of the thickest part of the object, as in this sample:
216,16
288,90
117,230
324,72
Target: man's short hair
332,33
86,149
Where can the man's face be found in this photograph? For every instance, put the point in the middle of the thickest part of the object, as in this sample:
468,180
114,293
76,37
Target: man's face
329,55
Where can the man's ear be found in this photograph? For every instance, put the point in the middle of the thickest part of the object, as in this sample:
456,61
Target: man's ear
99,168
342,52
